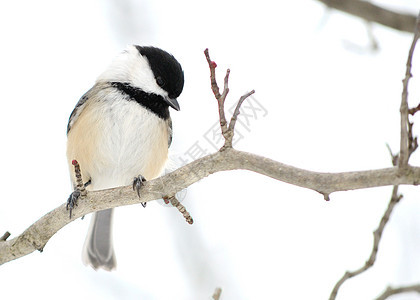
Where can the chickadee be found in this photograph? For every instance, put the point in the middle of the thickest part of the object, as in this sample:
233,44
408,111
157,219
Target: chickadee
121,129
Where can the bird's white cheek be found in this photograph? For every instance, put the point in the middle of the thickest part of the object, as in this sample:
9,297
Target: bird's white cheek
144,79
131,67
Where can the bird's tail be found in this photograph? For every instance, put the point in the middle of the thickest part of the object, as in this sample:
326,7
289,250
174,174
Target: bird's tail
98,251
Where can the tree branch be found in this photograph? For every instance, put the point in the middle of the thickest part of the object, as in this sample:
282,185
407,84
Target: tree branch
377,235
181,208
219,97
38,234
408,144
217,293
227,130
407,140
5,236
237,111
374,13
399,290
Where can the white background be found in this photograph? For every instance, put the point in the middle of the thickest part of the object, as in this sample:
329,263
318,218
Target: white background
332,106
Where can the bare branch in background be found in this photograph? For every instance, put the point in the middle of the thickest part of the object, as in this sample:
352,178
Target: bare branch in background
408,144
399,290
374,13
217,293
377,235
405,144
394,157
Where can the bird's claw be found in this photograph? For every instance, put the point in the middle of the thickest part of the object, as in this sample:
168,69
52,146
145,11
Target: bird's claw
137,184
72,201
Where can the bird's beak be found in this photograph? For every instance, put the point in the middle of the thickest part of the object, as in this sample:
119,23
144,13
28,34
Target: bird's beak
172,103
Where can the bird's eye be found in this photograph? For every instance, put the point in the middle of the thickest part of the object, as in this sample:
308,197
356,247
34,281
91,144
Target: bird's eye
160,81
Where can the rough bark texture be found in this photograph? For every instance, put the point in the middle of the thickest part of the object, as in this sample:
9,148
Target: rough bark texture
38,234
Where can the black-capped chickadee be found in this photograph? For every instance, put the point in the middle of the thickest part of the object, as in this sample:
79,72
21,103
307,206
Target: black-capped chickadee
121,129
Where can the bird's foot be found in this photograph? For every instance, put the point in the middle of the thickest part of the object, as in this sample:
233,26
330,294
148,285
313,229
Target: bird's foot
72,201
137,184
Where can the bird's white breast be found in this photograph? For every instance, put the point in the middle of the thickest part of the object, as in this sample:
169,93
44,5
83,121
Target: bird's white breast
115,140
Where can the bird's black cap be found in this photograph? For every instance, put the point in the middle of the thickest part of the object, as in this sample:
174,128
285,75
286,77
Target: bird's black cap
166,69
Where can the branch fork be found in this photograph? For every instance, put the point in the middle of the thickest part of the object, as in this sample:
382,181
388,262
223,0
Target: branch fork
407,143
228,130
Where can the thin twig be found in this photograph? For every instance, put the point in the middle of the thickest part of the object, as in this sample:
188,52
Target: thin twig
232,122
216,91
181,208
227,130
377,235
217,293
394,157
5,236
212,65
79,180
404,141
412,141
374,45
221,104
412,111
399,290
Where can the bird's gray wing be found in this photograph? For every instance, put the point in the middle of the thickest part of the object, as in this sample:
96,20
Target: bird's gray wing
169,123
81,104
77,110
